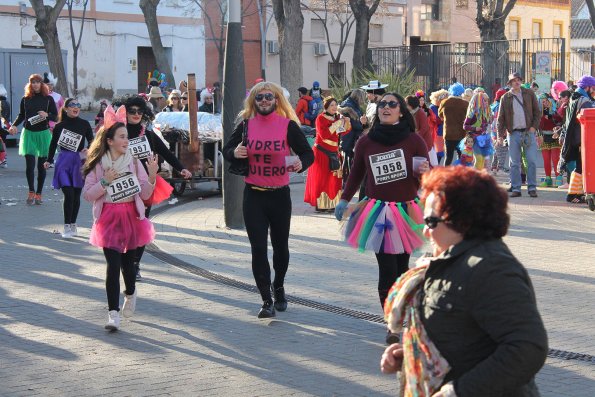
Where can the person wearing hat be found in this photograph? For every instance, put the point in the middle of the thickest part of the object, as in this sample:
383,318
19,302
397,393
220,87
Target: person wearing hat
570,134
374,90
155,97
302,106
518,121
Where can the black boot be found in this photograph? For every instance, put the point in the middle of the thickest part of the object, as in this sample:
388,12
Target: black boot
267,310
280,301
137,269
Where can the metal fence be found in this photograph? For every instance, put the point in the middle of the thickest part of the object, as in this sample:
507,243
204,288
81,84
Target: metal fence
473,64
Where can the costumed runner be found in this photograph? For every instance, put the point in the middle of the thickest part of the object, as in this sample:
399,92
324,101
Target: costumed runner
479,117
70,135
389,221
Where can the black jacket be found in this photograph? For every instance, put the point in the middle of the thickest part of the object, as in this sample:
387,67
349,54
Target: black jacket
479,309
157,146
29,108
77,125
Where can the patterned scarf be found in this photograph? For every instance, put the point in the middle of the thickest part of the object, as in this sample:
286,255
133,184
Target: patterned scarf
423,366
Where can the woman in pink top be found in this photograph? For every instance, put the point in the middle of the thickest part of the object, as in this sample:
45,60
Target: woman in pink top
263,141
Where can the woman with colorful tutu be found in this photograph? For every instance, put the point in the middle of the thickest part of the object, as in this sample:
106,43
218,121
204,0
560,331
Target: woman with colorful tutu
116,183
37,110
479,117
323,184
392,158
73,135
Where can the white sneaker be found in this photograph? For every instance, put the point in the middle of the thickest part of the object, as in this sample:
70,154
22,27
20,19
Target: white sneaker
67,233
129,304
73,230
113,320
3,164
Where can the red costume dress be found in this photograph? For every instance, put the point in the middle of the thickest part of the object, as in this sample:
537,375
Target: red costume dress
323,186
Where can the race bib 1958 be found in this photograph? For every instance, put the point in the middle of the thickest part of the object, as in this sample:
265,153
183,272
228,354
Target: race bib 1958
388,167
69,140
124,186
139,147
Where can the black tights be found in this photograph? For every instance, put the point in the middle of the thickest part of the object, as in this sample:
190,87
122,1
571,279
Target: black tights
115,262
261,211
390,267
72,203
30,172
451,146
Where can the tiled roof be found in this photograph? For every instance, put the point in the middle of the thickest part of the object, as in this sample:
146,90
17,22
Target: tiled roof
576,7
581,29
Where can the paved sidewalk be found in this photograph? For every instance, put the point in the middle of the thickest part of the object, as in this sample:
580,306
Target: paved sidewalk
191,336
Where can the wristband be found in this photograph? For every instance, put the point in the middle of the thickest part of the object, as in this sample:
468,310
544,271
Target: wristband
104,183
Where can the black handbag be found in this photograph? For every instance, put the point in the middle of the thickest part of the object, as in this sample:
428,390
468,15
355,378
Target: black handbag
240,166
333,158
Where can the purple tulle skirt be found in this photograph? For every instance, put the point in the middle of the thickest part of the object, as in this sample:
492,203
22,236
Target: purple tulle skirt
68,170
120,229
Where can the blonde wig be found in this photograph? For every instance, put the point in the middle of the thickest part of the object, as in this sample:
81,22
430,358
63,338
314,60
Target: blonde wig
438,96
283,107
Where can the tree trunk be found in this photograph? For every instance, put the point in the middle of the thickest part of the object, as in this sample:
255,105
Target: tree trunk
149,9
360,45
45,25
290,21
76,44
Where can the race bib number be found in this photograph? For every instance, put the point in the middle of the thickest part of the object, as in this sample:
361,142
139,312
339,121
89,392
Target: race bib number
69,140
35,119
388,167
139,147
124,186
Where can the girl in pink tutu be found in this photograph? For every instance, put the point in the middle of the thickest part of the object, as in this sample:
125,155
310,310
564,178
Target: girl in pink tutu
117,184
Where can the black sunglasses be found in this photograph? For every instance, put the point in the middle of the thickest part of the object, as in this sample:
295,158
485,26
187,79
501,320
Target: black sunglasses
268,96
433,221
184,98
134,112
391,104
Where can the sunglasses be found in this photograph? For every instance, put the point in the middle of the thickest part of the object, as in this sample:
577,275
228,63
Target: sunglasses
184,98
135,112
391,104
433,221
74,105
267,96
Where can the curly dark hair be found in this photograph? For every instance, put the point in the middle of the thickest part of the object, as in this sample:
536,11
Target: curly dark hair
470,200
130,100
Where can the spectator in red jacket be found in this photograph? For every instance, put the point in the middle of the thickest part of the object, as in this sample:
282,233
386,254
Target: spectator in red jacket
302,105
422,127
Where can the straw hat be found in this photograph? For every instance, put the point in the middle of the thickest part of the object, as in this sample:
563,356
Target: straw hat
155,93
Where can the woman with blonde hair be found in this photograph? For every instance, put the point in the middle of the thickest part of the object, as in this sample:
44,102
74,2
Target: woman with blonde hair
174,102
260,150
479,117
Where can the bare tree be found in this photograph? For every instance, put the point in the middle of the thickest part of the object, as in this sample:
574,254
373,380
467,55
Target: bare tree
591,7
149,9
46,18
76,42
363,10
340,13
290,22
491,18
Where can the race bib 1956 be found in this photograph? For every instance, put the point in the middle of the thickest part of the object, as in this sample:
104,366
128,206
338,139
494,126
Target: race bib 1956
388,167
35,119
69,140
139,147
124,186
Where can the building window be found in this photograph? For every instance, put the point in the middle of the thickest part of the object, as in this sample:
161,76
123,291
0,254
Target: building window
460,50
317,29
462,4
557,30
536,31
375,33
431,11
514,29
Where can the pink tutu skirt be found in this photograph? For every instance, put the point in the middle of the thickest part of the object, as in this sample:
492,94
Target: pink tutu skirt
385,227
119,228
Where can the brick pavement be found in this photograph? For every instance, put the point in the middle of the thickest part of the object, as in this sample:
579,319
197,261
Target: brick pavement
192,336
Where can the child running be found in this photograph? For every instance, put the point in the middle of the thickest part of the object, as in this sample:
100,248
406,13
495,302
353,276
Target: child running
116,184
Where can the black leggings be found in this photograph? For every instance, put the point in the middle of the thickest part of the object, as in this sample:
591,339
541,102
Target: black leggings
390,267
141,250
451,146
264,210
115,262
30,172
72,203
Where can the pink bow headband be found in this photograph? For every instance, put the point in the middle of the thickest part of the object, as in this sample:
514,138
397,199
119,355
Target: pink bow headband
110,117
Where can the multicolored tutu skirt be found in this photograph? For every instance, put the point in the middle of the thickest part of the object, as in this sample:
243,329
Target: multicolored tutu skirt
35,143
68,171
385,227
120,229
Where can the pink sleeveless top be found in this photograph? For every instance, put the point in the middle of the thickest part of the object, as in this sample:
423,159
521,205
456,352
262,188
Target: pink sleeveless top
267,148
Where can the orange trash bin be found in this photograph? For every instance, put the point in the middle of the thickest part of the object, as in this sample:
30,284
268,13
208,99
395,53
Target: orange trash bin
587,119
